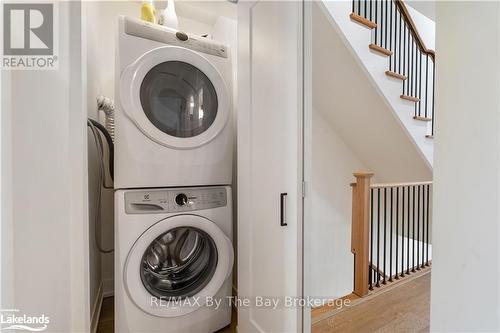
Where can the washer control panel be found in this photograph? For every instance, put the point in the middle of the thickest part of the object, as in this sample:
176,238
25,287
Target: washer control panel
174,200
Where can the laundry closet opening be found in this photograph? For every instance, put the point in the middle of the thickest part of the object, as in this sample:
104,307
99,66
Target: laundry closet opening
161,97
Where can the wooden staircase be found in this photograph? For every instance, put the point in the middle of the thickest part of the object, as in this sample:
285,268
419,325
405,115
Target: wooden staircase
395,36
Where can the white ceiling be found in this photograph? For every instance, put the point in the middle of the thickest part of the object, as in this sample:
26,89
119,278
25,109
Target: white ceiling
428,8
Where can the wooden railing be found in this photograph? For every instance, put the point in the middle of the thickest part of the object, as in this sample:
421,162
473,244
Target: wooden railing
395,34
391,226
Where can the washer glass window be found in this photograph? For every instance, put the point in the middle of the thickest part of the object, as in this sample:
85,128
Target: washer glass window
179,99
179,263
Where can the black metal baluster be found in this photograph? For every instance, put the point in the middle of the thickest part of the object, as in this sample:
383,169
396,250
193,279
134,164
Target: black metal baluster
381,22
392,61
428,241
426,81
378,237
371,5
385,234
399,54
376,20
403,233
397,232
390,34
353,2
371,240
420,84
415,63
385,22
390,238
408,85
366,11
424,217
433,95
413,69
415,76
411,66
410,63
404,57
407,59
359,7
413,234
418,227
408,235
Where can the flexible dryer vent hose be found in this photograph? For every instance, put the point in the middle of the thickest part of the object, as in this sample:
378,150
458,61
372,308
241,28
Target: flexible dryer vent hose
106,105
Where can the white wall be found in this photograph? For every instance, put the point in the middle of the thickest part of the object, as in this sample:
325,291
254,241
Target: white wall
43,136
465,292
330,198
425,26
100,34
428,8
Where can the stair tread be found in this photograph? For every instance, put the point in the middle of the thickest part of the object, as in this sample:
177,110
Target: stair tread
395,75
410,98
422,118
380,50
364,21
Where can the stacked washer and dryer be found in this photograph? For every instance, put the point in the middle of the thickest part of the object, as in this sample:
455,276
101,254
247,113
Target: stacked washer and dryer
173,164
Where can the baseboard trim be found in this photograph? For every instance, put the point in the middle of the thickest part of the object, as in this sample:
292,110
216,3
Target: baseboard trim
96,309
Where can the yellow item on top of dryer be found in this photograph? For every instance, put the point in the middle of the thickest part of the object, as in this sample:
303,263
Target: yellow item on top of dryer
148,11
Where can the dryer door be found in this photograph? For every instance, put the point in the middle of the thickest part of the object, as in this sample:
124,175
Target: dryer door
176,97
176,264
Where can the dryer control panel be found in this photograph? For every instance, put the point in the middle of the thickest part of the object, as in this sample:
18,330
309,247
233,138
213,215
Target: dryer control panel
143,29
174,200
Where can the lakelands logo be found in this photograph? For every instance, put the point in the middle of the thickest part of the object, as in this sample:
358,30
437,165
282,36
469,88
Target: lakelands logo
29,36
12,319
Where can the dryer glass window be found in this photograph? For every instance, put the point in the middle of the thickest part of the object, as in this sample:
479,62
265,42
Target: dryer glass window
179,99
179,263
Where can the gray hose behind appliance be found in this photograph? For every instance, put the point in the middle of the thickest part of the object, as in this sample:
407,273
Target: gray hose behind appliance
95,127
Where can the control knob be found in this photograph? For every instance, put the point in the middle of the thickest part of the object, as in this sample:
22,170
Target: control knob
181,199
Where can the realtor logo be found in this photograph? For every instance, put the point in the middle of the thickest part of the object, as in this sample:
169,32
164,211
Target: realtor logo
28,36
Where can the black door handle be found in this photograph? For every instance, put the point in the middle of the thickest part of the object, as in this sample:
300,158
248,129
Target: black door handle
283,222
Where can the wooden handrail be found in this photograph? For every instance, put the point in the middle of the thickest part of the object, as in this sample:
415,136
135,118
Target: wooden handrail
382,185
361,231
413,29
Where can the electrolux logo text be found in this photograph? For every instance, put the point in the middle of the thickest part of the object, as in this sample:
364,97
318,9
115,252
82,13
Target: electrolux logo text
29,36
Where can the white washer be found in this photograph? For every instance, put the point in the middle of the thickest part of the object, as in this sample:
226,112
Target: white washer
173,117
173,253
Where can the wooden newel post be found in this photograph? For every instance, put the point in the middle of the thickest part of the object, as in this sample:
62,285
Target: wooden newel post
360,236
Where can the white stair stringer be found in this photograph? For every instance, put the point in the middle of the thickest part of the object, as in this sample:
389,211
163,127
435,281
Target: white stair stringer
357,38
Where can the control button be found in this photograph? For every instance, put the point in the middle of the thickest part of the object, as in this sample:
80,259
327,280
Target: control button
181,199
181,36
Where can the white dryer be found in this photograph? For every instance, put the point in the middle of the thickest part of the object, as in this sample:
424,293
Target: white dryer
173,256
173,117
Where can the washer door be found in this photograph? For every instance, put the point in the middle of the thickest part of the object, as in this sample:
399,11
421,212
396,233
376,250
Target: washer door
176,97
176,264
